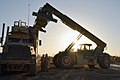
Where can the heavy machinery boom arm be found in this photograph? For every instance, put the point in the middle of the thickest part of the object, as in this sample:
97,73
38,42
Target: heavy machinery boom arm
48,9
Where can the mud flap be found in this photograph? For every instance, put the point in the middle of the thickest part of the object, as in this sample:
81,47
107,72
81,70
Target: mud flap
32,70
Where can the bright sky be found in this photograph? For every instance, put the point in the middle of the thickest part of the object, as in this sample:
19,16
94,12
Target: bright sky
101,17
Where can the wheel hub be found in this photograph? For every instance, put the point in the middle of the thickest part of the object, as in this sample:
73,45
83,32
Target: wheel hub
66,60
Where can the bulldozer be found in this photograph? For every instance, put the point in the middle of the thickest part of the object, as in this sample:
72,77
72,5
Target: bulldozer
83,56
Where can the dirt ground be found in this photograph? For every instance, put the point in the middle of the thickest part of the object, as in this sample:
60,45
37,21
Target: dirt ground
68,74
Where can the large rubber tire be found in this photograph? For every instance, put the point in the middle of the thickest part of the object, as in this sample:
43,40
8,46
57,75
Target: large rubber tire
104,61
91,66
55,60
32,70
0,69
66,60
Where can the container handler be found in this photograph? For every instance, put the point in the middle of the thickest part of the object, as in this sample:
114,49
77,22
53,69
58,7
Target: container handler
67,59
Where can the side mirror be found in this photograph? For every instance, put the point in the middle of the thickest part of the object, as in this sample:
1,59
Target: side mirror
0,39
40,42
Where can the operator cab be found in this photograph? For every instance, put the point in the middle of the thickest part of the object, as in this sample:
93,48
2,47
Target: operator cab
19,34
19,23
20,27
85,47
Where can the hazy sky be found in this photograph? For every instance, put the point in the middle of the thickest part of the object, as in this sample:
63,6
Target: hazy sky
101,17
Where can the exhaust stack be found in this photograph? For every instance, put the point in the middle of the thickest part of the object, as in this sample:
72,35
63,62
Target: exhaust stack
3,29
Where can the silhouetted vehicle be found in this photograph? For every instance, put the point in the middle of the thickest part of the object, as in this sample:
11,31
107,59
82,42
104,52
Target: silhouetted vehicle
19,48
67,59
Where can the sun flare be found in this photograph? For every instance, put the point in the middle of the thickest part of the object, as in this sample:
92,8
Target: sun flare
70,37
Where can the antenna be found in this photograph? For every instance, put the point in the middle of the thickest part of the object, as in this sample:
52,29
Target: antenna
28,13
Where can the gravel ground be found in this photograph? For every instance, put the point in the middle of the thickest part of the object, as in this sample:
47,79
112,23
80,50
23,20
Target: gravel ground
68,74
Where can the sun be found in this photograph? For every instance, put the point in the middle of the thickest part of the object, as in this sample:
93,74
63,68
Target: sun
70,37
